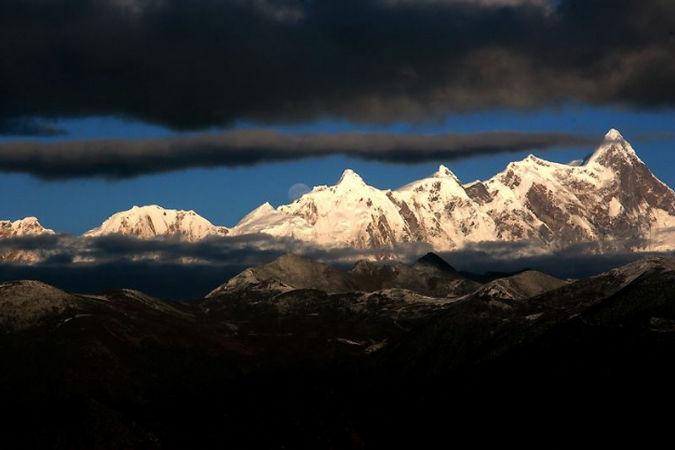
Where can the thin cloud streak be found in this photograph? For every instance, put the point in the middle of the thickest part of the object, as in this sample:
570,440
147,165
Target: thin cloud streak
126,158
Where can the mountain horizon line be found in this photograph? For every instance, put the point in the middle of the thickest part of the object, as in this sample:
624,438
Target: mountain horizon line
612,134
611,197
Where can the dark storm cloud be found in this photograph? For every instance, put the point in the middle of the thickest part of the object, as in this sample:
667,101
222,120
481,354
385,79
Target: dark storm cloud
251,249
22,126
163,267
189,64
127,158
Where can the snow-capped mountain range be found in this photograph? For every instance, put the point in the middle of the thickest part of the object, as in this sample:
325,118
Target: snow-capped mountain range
612,199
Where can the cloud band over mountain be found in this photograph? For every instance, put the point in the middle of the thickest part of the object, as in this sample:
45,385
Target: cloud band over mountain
175,269
190,65
124,158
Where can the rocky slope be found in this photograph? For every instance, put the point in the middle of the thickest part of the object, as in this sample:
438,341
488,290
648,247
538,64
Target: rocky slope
611,200
633,298
520,286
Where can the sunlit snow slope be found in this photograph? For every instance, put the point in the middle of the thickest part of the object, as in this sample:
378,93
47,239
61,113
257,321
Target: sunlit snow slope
611,200
155,221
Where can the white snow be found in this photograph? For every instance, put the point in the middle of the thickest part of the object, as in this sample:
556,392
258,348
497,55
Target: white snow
613,134
29,226
23,227
615,207
614,143
333,216
438,210
154,221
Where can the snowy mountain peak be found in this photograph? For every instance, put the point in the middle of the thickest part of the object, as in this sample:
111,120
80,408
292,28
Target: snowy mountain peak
613,135
154,221
263,211
614,152
29,226
613,200
30,221
351,178
265,207
444,172
22,227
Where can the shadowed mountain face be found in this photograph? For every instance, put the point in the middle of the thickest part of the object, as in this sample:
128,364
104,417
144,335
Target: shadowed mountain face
293,355
430,276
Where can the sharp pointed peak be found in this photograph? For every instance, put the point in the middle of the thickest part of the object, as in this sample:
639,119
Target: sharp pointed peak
613,146
350,177
261,211
444,172
614,135
433,260
267,206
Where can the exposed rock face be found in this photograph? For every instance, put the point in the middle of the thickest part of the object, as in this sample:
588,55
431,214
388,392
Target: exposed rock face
154,221
612,201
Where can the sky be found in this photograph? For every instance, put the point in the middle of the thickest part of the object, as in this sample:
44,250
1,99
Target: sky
153,75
